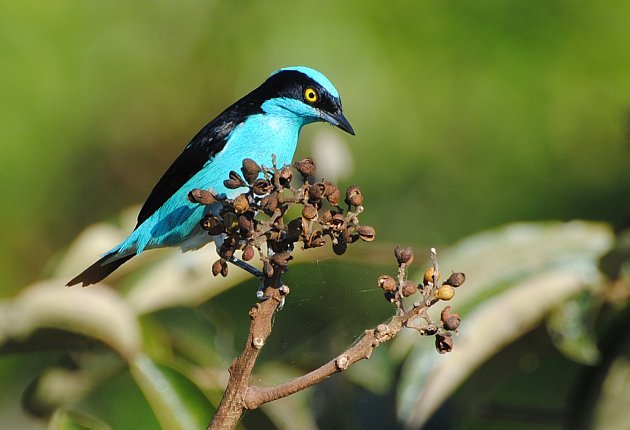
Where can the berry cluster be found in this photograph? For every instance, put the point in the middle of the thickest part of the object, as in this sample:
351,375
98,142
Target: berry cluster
254,221
418,317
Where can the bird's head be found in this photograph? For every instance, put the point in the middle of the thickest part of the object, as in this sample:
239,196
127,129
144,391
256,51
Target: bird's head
305,93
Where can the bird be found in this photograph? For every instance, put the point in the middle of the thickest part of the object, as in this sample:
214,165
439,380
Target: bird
264,123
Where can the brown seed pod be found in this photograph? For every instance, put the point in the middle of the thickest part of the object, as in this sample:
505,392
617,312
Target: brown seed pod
338,221
316,240
366,233
339,247
241,203
309,212
250,170
390,296
449,321
269,203
354,196
217,266
212,224
329,188
443,343
245,225
316,191
294,230
248,253
334,197
235,181
428,276
261,187
445,292
281,259
456,279
409,288
403,255
326,216
284,176
306,167
387,283
203,197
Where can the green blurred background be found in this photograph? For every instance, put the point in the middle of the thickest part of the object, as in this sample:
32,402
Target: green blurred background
469,115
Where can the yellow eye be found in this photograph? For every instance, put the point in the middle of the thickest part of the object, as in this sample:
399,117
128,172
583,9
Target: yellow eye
310,95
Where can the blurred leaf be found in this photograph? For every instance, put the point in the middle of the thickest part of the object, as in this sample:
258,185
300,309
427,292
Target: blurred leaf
515,276
70,420
96,312
177,403
62,387
571,329
610,410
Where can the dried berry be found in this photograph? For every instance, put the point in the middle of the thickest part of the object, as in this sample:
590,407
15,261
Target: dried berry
403,255
284,176
445,292
269,203
235,181
387,283
203,197
338,221
339,247
354,196
262,187
443,343
241,203
316,240
281,259
449,321
309,212
212,224
245,225
306,167
326,216
409,288
248,253
250,170
456,279
428,276
294,229
390,296
366,233
224,269
316,191
217,266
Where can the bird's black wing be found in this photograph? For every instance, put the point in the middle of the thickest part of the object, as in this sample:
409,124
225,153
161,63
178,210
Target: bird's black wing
206,144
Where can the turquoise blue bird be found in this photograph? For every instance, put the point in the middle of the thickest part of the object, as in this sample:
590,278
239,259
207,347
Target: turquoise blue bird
265,122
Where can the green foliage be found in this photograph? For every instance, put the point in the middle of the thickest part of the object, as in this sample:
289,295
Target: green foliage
512,110
468,115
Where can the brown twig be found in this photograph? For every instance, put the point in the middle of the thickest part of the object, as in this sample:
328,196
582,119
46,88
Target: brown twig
233,403
322,218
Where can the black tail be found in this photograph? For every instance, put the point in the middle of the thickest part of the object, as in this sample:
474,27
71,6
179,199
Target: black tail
99,270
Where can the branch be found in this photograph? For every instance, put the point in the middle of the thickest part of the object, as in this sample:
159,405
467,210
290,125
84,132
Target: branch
256,218
233,405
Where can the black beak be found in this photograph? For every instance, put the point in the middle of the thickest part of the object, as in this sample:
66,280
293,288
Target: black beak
338,120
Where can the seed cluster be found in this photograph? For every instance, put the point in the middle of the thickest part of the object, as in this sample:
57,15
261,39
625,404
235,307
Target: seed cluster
396,289
254,222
